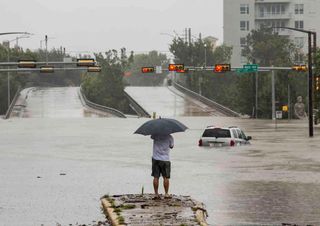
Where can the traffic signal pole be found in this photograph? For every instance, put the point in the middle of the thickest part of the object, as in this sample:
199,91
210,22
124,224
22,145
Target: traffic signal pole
310,84
310,71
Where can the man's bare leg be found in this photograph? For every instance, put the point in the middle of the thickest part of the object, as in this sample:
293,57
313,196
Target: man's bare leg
166,185
156,185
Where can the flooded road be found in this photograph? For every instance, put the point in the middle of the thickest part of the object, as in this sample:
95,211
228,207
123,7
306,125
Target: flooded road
53,102
169,102
54,170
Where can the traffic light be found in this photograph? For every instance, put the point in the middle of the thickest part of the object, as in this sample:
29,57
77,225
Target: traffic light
27,64
176,67
94,69
317,83
219,68
300,68
86,62
147,69
46,69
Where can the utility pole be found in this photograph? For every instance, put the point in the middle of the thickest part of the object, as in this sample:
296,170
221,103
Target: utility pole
189,36
186,34
273,94
46,40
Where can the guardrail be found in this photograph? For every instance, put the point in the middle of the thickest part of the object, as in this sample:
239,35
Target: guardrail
141,112
13,103
211,103
100,107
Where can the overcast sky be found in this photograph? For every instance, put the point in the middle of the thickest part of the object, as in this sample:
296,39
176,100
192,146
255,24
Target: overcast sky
99,25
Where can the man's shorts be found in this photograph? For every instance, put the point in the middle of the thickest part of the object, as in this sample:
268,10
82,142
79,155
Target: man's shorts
161,168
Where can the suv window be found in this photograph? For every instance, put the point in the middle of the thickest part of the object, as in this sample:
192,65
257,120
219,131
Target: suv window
241,134
235,134
216,132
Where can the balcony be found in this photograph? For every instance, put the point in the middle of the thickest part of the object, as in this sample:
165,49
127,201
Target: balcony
273,16
272,1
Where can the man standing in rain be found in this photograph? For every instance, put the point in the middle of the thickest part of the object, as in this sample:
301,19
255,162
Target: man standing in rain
161,165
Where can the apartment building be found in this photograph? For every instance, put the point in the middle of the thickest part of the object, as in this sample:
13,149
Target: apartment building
242,16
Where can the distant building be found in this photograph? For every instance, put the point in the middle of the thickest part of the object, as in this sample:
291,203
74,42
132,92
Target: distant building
212,40
242,16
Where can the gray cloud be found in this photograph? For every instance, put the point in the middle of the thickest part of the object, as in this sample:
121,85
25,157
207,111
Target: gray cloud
98,25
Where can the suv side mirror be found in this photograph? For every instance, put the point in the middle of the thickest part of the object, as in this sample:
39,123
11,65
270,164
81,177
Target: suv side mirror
249,138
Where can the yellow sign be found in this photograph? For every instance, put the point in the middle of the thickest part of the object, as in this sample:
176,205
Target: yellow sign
86,62
285,108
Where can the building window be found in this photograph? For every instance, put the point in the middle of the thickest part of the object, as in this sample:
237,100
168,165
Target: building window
244,8
299,41
298,9
244,25
243,42
298,24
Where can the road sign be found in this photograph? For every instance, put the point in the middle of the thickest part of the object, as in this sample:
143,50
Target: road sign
158,70
251,67
278,114
285,108
248,68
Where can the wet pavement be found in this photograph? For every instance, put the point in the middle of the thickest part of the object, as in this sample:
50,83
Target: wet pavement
169,102
54,170
53,102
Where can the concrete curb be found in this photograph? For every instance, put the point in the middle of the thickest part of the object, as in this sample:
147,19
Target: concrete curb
109,212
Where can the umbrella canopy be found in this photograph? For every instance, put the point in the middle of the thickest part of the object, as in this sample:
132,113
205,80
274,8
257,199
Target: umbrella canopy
162,126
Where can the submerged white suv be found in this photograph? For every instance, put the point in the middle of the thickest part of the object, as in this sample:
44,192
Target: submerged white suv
219,137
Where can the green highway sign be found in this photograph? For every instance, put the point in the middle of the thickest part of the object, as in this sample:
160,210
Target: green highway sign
247,68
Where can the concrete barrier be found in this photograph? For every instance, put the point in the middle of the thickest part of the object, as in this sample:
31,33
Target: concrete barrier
13,103
141,112
99,107
211,103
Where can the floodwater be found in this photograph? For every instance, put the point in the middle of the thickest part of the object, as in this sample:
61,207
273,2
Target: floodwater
53,102
169,102
54,170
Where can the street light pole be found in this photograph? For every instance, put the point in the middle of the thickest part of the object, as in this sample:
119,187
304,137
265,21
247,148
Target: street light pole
8,58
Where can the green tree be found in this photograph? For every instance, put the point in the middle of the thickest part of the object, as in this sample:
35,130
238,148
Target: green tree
218,87
136,78
267,48
107,87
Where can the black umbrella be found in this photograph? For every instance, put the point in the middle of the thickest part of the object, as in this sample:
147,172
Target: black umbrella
161,126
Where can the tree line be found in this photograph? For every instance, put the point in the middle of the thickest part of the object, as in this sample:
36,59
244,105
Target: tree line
28,79
237,91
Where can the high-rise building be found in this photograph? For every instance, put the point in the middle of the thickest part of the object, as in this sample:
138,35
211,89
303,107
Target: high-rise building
242,16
